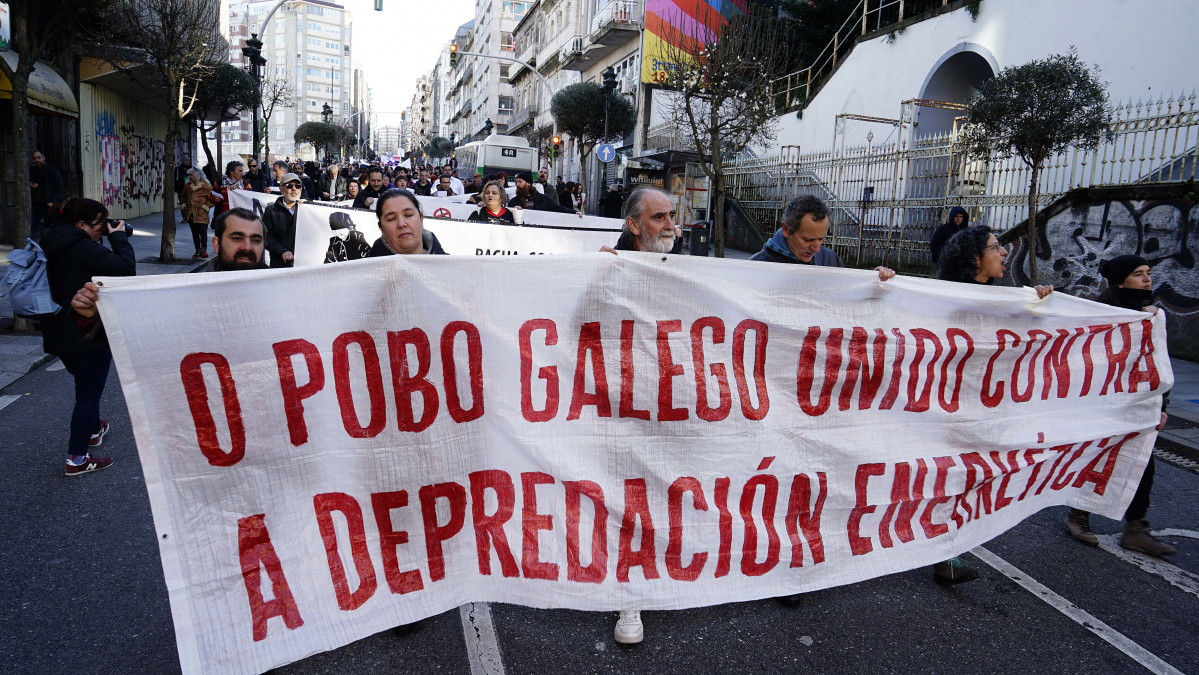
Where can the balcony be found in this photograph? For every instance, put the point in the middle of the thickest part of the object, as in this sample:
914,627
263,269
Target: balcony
522,118
571,52
617,22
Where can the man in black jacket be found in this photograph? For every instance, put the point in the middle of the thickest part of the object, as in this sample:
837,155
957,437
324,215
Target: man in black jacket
374,187
527,196
255,176
279,220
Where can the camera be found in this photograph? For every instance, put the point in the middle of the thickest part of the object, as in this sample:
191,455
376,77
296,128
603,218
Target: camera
113,222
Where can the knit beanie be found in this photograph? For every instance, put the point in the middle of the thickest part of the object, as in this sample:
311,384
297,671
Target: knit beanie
1117,269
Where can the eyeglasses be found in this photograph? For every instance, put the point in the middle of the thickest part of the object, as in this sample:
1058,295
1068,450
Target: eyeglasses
293,186
253,166
998,248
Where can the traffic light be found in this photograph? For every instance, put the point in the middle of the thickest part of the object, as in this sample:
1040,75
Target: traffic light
453,55
557,141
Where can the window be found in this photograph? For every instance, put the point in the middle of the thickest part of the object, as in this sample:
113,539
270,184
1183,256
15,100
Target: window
314,42
311,103
314,27
313,58
505,105
504,71
332,45
332,59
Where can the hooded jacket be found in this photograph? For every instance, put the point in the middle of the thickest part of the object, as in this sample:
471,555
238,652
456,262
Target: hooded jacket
72,260
946,231
777,250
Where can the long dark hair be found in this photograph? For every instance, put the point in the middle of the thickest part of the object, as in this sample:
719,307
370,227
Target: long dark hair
959,259
81,209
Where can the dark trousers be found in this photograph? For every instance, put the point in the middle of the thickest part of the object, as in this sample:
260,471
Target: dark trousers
1139,505
199,234
91,372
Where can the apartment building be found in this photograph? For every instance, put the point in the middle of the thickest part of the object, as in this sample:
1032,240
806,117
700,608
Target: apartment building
308,44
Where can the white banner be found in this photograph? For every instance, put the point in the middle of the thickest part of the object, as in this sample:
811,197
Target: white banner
322,230
333,450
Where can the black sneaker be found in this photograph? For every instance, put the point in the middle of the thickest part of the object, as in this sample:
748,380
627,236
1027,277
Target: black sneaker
89,465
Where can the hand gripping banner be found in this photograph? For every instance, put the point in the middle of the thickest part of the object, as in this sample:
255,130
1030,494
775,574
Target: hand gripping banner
333,450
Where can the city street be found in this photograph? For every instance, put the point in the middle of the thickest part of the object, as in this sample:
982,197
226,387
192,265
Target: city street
84,591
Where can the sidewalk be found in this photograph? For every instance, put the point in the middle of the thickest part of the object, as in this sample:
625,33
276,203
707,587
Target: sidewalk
21,351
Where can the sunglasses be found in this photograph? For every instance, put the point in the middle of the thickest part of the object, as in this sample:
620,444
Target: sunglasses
293,186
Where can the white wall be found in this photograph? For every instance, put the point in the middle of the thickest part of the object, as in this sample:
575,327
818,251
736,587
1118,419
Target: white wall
1144,49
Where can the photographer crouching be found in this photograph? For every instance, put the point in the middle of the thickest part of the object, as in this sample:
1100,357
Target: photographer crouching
74,255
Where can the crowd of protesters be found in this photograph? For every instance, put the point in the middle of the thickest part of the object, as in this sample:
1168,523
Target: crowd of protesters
963,253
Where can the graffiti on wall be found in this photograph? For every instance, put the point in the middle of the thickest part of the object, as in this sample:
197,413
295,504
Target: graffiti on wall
1163,231
131,164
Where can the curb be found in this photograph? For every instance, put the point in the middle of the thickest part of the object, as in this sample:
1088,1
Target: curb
1185,450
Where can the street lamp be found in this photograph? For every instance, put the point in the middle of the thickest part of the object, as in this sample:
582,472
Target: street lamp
326,112
609,76
253,53
487,127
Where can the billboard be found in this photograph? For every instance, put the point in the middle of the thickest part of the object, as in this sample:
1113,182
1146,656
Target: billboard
680,23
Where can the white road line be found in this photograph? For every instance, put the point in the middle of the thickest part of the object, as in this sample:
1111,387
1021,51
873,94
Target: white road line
5,400
1187,581
1174,532
1118,640
482,649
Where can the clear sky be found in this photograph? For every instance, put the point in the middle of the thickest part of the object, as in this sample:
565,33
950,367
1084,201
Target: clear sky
400,44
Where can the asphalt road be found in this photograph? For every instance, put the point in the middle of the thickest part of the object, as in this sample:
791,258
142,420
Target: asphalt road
83,592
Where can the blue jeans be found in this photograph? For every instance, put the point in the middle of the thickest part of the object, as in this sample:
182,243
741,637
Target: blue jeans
91,372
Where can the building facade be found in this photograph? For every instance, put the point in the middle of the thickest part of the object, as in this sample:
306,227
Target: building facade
308,45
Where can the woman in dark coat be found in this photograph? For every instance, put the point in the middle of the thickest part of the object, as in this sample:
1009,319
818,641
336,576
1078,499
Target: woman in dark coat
74,255
403,226
1129,285
493,210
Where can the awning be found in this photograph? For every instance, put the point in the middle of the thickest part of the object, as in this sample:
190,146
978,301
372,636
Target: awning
47,90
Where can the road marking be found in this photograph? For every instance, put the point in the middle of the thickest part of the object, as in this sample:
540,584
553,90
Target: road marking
1113,637
1187,581
5,400
57,365
482,649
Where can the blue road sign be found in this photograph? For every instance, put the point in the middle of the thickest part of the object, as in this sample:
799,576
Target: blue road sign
606,153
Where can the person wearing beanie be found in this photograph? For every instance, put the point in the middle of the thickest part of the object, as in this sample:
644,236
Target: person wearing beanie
1129,285
527,196
957,221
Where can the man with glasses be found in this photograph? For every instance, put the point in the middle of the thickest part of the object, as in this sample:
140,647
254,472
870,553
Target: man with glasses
255,178
279,220
333,185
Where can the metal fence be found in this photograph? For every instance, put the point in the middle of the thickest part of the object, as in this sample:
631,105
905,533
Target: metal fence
886,200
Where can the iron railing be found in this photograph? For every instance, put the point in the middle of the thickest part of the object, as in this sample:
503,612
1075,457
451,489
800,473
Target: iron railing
886,200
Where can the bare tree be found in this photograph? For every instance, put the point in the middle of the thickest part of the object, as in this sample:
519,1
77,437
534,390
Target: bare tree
168,46
35,28
278,92
722,90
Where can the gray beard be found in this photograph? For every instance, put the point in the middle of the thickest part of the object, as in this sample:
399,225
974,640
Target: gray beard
657,244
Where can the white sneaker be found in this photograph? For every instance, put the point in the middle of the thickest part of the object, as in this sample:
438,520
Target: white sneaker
629,630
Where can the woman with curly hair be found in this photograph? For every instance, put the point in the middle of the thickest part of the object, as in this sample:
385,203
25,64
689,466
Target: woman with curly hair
972,256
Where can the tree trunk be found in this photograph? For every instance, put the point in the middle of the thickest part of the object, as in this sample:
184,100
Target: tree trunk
266,143
204,142
166,251
1032,224
718,224
19,78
